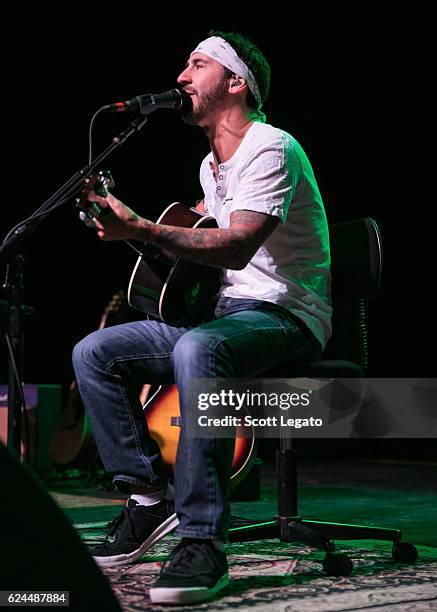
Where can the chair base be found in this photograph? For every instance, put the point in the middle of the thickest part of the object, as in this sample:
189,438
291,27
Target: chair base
319,534
288,526
315,533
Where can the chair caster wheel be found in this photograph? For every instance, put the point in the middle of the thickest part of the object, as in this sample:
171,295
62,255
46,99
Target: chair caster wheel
337,564
404,552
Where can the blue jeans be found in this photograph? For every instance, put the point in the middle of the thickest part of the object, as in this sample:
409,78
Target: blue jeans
241,339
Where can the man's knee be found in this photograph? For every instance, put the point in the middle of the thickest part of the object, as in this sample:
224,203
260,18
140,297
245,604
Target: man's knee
190,347
87,349
199,348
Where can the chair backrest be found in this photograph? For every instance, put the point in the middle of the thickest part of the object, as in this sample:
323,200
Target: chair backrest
356,268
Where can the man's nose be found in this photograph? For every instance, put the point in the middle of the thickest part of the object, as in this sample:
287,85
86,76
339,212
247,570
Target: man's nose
184,77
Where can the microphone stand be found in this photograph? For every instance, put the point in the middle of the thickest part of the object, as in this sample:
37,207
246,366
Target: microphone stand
12,253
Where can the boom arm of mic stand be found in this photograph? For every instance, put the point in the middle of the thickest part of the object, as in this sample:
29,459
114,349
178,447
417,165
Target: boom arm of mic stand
10,252
68,189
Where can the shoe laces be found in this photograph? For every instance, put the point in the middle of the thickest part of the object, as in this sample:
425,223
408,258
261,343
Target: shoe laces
183,555
116,524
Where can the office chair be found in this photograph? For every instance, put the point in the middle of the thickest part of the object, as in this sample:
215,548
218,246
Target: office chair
356,265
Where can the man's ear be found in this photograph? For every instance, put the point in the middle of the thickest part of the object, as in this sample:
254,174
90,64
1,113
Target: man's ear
237,85
237,81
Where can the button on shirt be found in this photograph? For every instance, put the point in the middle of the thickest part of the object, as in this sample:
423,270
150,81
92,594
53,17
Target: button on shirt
270,173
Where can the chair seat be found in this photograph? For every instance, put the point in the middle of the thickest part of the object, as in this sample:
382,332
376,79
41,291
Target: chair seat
326,368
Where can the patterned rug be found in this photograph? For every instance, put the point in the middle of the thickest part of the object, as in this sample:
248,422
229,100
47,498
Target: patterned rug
276,577
283,578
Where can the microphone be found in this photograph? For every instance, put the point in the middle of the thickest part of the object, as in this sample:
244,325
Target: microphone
147,103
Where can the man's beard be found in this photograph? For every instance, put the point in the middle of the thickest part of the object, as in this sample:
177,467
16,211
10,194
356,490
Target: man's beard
206,103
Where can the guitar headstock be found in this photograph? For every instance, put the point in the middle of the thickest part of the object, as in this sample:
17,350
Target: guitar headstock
100,183
117,302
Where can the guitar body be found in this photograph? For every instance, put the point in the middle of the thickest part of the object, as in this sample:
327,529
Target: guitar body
162,413
72,444
166,286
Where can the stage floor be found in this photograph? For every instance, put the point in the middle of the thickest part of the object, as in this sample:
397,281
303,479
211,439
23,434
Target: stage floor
285,577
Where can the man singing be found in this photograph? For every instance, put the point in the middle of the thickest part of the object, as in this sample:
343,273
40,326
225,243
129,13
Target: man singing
272,247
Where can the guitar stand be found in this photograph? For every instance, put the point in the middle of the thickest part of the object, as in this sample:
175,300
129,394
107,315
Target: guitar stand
288,526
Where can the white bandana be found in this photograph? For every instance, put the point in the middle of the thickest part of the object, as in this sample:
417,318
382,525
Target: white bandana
221,51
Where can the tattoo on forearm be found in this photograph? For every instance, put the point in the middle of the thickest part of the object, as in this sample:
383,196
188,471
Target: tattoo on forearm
226,248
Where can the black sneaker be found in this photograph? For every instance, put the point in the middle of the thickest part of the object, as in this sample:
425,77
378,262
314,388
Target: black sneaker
195,572
135,530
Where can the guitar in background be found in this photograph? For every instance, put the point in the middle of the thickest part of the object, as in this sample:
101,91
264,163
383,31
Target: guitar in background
72,444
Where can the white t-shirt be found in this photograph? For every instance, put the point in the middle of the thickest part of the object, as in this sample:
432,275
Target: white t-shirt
270,173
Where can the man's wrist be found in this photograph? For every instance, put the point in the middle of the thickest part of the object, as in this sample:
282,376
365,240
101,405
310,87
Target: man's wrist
144,227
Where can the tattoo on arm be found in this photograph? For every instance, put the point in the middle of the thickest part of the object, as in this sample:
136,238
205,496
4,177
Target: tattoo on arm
231,247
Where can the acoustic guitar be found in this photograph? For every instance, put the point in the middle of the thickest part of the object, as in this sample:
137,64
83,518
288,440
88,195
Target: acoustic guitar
72,443
162,413
171,288
162,285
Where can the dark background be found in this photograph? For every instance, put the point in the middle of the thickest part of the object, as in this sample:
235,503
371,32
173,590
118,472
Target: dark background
337,86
